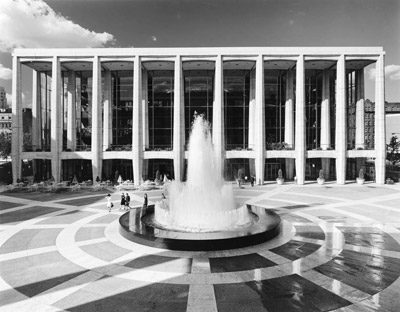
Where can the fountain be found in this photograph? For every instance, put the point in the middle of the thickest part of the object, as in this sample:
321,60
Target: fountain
200,214
205,203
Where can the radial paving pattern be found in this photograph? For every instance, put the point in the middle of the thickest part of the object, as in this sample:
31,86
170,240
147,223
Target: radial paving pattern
339,251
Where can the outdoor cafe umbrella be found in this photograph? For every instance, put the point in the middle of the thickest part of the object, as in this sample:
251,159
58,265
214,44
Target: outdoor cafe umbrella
120,179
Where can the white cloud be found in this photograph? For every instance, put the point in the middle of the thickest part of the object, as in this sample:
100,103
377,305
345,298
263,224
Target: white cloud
392,72
5,73
33,24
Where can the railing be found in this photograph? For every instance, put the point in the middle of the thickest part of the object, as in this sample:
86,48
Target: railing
279,146
320,147
167,148
237,148
35,148
118,148
83,148
352,146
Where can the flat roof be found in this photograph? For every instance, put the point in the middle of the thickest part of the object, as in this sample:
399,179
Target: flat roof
199,51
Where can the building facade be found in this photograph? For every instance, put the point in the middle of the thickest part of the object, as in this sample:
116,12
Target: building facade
5,120
3,98
101,113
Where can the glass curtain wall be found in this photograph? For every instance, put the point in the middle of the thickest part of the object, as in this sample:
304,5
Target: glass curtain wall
42,170
198,96
272,166
79,168
275,93
64,105
161,167
351,110
235,167
332,106
45,110
83,110
313,91
160,109
122,106
236,98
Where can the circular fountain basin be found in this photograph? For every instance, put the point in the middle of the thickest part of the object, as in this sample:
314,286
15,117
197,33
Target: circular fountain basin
137,225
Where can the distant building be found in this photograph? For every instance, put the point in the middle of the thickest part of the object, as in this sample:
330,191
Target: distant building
3,98
392,121
5,120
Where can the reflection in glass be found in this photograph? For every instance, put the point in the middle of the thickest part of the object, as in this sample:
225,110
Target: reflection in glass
198,96
274,93
236,97
122,104
160,109
45,110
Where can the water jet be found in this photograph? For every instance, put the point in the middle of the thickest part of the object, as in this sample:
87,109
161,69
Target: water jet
201,213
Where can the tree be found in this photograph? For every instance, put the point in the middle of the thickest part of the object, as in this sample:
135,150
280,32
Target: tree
393,150
5,145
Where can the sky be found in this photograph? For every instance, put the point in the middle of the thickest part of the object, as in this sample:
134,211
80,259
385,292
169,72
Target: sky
206,23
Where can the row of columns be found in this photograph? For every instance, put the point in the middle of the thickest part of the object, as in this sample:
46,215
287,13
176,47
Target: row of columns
101,127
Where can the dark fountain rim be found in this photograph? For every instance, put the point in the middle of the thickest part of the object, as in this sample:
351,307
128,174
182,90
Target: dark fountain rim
267,227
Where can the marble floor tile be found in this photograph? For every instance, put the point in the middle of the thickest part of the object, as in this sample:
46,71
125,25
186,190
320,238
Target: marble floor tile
338,250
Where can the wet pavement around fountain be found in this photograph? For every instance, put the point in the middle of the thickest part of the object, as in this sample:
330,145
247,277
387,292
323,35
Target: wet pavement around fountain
339,251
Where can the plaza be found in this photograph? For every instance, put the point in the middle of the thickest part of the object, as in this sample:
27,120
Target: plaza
339,250
100,113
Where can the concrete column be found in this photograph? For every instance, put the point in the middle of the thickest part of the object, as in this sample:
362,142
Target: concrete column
97,121
36,125
341,121
289,109
17,131
300,135
179,121
137,129
289,121
56,118
325,121
326,162
145,121
108,112
360,122
107,121
145,109
36,112
71,112
218,131
325,112
260,122
252,110
380,122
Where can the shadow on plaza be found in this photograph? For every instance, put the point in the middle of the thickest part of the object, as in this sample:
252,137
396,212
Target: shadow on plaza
103,294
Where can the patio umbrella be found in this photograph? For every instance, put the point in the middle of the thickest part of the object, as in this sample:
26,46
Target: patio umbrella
120,179
74,180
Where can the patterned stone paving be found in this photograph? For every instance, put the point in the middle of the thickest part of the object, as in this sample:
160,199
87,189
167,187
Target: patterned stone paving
339,250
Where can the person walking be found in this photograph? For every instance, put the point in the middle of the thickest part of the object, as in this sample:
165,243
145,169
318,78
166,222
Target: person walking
127,201
122,201
109,202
